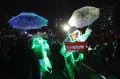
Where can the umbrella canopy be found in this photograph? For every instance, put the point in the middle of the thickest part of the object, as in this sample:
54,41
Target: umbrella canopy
27,21
84,16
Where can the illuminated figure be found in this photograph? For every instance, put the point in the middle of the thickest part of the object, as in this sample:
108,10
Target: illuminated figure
42,50
71,58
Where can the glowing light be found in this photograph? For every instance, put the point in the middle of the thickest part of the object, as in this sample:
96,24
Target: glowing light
66,27
25,32
109,18
103,76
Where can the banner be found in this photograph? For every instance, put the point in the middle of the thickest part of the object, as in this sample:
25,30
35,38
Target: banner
75,46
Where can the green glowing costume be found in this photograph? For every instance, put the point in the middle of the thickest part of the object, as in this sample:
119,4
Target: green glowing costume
71,58
42,50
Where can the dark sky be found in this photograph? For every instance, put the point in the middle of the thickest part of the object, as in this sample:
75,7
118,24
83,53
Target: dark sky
49,9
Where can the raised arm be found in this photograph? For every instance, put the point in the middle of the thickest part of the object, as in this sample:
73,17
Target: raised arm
85,36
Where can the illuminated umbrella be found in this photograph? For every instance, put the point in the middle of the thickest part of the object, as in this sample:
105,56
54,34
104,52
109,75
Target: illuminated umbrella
27,21
84,16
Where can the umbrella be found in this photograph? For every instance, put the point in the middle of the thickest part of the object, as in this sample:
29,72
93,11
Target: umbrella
27,21
84,16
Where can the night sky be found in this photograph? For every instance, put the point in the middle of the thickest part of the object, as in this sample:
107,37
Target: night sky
49,9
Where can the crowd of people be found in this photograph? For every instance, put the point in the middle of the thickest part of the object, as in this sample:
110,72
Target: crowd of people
17,60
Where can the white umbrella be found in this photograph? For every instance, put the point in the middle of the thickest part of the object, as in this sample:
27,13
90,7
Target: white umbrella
84,16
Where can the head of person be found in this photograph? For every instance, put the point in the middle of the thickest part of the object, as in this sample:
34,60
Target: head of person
74,33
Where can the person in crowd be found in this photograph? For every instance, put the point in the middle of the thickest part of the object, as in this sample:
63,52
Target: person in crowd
71,58
42,52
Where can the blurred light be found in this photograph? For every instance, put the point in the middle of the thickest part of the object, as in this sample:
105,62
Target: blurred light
66,27
30,35
106,59
103,76
25,32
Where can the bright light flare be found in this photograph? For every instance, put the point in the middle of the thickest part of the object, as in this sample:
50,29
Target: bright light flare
66,27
